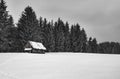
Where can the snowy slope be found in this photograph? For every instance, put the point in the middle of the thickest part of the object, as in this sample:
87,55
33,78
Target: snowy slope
59,66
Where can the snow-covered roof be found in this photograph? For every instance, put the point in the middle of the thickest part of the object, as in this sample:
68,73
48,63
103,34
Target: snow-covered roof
37,45
28,48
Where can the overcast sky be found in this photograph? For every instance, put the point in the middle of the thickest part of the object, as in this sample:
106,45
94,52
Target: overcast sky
100,18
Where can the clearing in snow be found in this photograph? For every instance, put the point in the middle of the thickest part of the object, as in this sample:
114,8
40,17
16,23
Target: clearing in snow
59,66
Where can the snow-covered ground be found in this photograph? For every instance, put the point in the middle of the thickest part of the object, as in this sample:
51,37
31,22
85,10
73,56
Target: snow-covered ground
59,66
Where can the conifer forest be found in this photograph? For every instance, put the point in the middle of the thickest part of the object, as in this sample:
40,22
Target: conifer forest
56,36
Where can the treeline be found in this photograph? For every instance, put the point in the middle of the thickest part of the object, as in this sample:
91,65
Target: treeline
57,36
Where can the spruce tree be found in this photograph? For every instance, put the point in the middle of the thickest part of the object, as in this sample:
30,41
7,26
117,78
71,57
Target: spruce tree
3,15
59,29
6,22
94,45
60,36
38,35
89,45
51,39
76,38
72,38
27,25
67,38
83,41
48,36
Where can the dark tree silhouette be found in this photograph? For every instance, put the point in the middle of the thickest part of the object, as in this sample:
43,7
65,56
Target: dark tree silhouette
6,22
109,47
27,25
56,36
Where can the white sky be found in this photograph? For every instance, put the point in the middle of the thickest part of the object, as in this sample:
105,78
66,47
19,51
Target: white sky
100,18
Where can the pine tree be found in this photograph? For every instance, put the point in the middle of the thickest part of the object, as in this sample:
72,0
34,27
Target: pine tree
71,38
83,41
89,45
51,39
40,22
48,36
59,36
100,48
8,34
6,22
27,25
45,30
3,15
94,45
76,38
67,38
38,35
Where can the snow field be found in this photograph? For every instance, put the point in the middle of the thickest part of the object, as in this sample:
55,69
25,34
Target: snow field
59,66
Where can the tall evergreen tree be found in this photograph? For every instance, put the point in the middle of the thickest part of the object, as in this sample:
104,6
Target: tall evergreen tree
59,36
71,38
27,25
8,35
89,45
48,36
83,41
38,35
94,45
76,38
6,22
3,15
67,44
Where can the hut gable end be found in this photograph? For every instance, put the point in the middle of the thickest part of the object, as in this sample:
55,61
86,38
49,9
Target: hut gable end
28,45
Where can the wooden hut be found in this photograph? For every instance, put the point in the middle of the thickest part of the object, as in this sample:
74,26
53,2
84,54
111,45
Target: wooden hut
34,47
